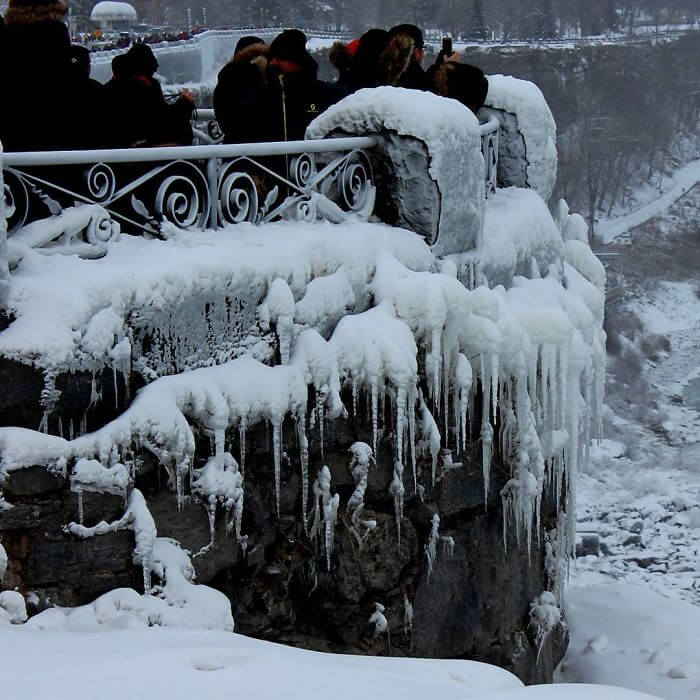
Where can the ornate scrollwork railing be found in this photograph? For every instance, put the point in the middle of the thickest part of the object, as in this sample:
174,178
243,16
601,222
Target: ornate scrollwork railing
200,186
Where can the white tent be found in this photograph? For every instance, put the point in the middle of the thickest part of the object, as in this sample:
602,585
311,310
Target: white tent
108,12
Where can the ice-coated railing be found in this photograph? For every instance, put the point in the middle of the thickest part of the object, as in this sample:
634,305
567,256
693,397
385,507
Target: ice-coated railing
489,149
200,186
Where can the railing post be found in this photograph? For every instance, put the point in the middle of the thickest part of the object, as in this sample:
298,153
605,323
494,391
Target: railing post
213,182
4,269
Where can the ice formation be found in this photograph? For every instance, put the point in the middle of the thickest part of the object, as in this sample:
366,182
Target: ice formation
325,516
378,619
3,562
435,353
545,615
137,518
362,457
12,608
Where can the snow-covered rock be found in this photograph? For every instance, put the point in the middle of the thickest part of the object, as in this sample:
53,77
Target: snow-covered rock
444,204
527,154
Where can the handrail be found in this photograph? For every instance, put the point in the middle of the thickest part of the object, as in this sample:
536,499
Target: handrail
172,153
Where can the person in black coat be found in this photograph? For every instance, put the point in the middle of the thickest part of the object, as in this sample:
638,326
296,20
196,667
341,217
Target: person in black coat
89,103
294,95
35,58
240,84
142,117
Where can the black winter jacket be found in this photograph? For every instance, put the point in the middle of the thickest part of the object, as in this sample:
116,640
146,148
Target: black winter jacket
142,117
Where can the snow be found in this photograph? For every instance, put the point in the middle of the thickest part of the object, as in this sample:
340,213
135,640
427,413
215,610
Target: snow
109,9
142,663
632,637
55,298
518,229
536,124
683,179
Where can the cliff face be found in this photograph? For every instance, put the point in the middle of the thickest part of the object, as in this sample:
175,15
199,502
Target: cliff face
474,604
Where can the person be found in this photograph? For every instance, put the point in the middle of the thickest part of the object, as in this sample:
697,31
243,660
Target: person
462,82
358,61
240,83
142,117
35,58
341,57
291,97
400,63
365,64
88,102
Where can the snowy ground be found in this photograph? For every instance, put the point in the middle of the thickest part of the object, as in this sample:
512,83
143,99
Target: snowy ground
137,663
639,500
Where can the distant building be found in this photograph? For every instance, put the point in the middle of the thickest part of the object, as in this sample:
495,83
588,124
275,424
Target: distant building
113,16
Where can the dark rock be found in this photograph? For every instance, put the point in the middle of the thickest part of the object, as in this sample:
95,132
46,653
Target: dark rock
32,481
632,541
588,545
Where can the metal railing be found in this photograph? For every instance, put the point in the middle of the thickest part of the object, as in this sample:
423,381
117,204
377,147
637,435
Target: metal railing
201,186
489,149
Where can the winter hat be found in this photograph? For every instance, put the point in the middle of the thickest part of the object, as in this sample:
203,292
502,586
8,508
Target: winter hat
245,41
142,61
290,45
352,46
35,11
409,30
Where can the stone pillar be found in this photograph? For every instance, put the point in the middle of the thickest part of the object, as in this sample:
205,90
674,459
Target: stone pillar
428,167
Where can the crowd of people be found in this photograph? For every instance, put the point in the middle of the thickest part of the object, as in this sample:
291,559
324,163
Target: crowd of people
272,92
264,93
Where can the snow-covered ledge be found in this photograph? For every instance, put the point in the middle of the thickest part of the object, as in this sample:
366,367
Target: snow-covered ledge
527,153
428,169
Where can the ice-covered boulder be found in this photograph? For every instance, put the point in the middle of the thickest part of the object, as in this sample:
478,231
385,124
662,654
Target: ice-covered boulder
429,169
527,153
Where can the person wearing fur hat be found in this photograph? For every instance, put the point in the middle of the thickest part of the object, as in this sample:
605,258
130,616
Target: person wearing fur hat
37,78
239,85
294,96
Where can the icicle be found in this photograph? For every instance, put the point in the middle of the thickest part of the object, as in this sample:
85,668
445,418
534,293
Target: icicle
277,449
304,459
327,506
563,383
355,390
80,506
375,398
494,386
320,412
431,546
430,433
397,491
242,440
407,614
436,355
401,396
412,432
486,429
